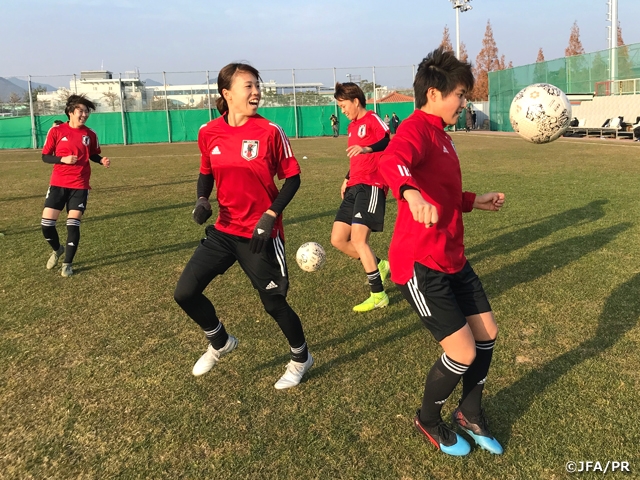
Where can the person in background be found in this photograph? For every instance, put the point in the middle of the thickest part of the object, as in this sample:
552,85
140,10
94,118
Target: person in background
363,192
395,122
335,125
69,147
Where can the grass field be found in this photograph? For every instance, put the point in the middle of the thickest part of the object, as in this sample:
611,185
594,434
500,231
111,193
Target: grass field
96,369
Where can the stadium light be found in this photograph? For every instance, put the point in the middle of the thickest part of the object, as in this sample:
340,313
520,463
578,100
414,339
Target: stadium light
459,6
349,77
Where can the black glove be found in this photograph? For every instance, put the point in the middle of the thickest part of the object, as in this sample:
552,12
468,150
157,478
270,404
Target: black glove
202,211
262,233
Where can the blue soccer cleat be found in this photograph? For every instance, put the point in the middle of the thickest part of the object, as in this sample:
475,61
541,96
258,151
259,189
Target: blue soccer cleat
478,430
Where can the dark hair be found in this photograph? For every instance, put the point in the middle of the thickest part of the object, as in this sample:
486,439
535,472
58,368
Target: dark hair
441,70
350,91
58,122
225,79
74,101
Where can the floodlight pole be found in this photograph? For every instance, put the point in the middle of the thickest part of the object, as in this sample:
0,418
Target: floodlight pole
613,39
459,5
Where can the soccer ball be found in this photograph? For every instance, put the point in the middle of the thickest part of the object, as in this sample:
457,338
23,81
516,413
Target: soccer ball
540,113
310,256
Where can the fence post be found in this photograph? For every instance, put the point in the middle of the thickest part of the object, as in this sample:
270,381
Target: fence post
208,96
122,96
335,102
166,106
295,104
375,103
34,137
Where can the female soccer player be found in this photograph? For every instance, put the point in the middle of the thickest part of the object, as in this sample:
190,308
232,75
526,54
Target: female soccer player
69,147
427,253
363,192
242,152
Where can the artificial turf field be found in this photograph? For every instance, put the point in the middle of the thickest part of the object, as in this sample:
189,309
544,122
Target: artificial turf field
96,369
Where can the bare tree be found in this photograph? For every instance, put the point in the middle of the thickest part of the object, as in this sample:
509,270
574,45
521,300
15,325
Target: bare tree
625,67
575,45
540,70
446,40
464,56
486,61
112,99
540,57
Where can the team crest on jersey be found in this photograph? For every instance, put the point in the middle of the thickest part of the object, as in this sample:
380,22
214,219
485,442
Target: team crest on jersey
250,149
362,131
85,140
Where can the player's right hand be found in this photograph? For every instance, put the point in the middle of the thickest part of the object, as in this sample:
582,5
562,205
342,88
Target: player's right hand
69,159
202,211
422,211
343,188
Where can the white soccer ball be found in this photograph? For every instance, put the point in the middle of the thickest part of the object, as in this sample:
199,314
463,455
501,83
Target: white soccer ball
540,113
310,256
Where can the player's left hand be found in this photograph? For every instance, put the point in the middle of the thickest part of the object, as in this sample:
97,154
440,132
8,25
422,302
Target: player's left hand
262,232
106,163
489,201
354,150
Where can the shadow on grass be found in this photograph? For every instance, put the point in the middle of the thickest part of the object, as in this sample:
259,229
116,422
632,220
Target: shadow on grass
128,188
325,366
90,219
132,256
619,315
512,241
549,258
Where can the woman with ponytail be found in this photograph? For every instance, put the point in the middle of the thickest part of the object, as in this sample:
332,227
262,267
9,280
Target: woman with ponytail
241,152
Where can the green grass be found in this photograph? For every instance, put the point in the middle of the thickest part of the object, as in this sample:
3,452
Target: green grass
96,369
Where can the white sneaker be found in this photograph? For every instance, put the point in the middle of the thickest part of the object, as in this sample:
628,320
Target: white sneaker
67,270
293,375
54,257
211,356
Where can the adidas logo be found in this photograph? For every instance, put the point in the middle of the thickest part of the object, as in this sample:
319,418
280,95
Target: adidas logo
81,205
64,139
444,149
260,231
357,215
71,244
215,151
271,285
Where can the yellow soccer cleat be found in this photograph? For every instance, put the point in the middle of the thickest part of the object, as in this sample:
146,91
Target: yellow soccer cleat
376,300
383,268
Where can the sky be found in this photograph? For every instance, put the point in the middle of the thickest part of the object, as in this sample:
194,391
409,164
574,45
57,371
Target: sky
53,39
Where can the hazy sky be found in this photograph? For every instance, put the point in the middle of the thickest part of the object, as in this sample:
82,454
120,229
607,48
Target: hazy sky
63,37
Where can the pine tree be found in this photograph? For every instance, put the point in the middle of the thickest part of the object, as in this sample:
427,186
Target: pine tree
446,40
540,70
486,61
575,45
540,57
624,63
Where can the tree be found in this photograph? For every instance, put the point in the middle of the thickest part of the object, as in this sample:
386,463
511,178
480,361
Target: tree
464,56
34,93
575,45
367,87
625,67
486,61
446,40
112,99
540,70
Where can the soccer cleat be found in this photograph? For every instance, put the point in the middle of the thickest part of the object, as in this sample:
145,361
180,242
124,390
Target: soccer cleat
383,268
66,271
443,438
211,356
375,300
54,257
478,431
293,375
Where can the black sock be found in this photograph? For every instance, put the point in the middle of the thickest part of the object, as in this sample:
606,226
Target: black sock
474,378
217,335
73,239
441,381
378,261
289,323
50,233
375,281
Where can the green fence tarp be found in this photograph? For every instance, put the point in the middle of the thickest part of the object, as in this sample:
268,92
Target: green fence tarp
576,74
151,127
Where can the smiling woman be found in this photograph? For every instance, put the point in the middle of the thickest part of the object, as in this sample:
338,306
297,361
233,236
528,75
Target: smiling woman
242,152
